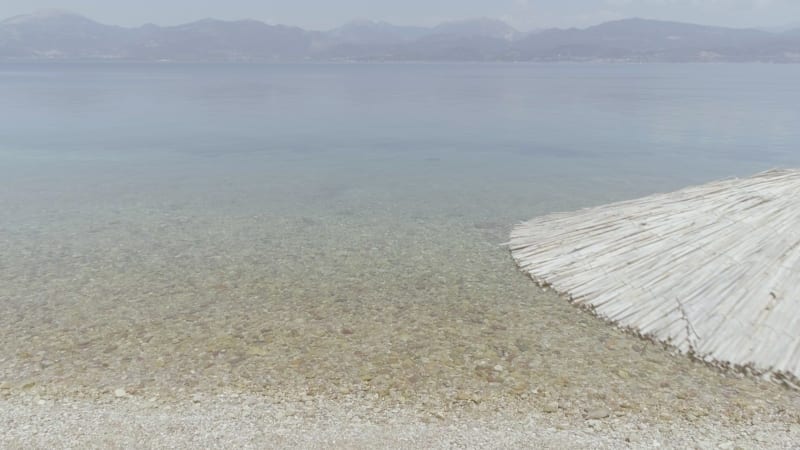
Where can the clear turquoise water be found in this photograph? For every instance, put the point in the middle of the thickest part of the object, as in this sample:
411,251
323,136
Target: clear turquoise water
335,228
590,132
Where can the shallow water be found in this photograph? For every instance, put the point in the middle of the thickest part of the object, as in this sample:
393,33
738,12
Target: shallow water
335,230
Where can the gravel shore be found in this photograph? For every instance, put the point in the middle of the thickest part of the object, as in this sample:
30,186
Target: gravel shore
254,422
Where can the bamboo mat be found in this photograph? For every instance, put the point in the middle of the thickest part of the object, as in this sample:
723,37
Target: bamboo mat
712,270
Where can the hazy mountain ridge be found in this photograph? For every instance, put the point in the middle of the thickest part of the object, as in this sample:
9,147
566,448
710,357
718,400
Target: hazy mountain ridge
64,35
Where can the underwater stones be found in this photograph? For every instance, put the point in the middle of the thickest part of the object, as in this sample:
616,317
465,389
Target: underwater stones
406,349
257,350
597,413
550,408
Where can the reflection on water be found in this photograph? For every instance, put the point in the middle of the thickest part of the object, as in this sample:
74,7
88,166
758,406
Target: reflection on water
335,229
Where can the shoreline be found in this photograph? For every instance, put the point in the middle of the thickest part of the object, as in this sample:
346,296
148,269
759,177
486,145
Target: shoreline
260,422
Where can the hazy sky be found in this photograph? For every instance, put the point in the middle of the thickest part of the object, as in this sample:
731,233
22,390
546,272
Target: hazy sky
323,14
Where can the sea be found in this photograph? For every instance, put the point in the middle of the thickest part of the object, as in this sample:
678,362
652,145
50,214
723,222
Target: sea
295,230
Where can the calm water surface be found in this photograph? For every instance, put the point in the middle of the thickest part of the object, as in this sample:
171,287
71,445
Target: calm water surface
499,138
335,228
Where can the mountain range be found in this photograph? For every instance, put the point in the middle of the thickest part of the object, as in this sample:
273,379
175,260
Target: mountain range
57,35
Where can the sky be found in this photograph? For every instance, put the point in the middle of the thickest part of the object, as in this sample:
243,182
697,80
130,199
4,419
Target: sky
325,14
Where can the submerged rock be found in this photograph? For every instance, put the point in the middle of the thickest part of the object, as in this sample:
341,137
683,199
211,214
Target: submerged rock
597,413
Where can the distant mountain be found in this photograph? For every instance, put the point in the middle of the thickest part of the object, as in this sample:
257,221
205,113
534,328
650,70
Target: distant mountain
474,39
210,39
645,40
363,39
374,33
793,27
55,34
482,28
64,35
786,48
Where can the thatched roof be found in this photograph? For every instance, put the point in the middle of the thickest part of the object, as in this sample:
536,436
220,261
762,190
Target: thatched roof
712,270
